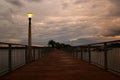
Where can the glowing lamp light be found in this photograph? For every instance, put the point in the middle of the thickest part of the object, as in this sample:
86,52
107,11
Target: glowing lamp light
29,15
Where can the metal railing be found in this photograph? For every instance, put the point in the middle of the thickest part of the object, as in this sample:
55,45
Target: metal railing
13,56
105,55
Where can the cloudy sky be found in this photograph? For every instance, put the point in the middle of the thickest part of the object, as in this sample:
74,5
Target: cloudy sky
71,21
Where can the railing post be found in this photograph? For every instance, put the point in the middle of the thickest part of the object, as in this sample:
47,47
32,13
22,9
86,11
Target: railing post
76,52
34,53
38,53
26,54
10,57
89,52
42,52
81,54
105,57
73,51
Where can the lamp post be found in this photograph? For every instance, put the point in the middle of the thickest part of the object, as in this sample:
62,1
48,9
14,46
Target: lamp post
29,37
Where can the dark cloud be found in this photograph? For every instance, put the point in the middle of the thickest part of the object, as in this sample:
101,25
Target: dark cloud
111,32
80,1
73,22
116,2
64,5
15,2
35,0
115,10
8,27
6,14
84,41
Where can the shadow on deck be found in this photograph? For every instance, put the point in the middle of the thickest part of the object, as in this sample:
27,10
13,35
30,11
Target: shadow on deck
59,65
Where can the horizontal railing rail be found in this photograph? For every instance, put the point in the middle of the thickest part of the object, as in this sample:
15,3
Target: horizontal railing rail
13,56
105,55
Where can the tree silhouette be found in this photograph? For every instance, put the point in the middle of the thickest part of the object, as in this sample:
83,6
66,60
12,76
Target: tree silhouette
53,44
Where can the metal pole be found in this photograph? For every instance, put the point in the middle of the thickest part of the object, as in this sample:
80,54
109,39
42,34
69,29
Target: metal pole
38,53
34,53
29,40
81,53
10,58
26,54
89,52
105,57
